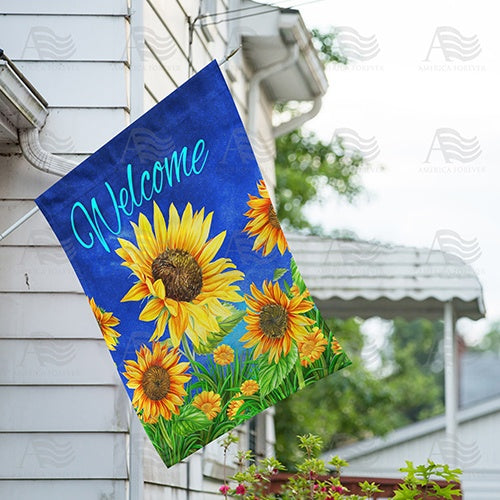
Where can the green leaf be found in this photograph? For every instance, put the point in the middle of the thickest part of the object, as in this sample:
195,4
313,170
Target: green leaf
271,375
226,326
449,491
190,420
279,272
296,276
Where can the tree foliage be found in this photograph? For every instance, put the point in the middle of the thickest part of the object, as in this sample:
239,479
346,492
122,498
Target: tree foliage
356,403
310,170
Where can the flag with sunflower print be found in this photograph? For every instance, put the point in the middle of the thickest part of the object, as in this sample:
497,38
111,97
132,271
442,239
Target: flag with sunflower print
174,238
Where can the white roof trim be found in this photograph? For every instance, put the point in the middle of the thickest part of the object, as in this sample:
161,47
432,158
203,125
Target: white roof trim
412,432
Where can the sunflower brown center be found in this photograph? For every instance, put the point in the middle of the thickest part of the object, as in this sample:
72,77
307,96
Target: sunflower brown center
273,218
273,321
156,382
180,273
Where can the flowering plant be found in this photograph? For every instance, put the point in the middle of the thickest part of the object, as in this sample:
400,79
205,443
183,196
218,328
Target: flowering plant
315,481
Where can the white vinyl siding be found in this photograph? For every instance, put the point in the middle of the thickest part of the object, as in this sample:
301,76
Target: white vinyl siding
64,425
65,417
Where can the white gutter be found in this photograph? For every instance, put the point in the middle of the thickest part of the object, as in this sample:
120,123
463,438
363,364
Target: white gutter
26,110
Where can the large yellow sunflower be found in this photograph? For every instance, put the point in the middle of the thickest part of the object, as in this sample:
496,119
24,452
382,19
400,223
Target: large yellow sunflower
106,321
264,224
178,275
274,320
158,381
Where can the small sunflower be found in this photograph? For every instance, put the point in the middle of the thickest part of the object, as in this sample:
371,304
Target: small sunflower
224,355
336,347
177,274
249,387
312,346
274,321
209,403
106,321
158,381
264,224
234,406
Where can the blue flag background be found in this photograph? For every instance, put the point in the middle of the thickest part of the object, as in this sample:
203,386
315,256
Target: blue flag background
174,239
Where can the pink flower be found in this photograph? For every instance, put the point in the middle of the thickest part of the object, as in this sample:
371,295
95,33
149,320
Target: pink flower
224,489
240,490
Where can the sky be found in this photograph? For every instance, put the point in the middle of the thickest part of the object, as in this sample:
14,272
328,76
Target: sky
421,100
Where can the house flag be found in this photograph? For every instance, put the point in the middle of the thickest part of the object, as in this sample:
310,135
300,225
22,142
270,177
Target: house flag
177,246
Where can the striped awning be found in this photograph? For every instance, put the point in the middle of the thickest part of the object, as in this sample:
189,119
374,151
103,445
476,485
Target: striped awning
364,278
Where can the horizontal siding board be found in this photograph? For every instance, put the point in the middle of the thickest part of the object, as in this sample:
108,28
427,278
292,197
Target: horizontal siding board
60,489
55,362
36,269
49,316
64,38
155,492
89,7
79,84
65,455
35,231
64,409
70,130
20,180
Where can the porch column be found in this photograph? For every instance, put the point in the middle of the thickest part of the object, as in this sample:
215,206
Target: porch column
450,380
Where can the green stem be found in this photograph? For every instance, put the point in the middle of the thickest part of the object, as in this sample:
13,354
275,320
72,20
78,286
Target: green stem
300,375
325,367
187,350
164,432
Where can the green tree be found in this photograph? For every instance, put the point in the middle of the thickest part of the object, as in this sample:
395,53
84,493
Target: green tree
491,341
356,403
416,362
309,169
307,166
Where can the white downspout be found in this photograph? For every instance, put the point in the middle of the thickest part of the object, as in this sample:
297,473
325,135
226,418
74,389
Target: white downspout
29,140
297,121
254,87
